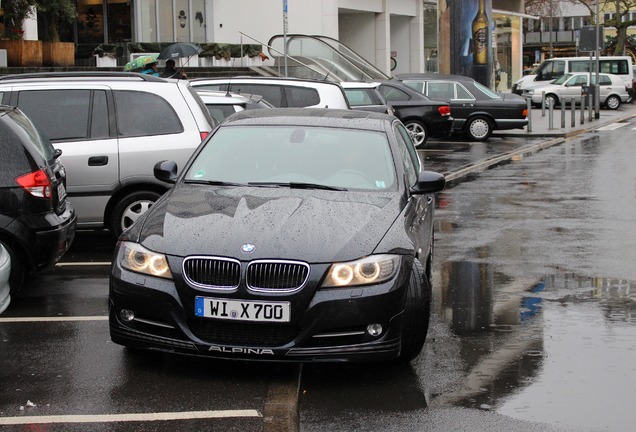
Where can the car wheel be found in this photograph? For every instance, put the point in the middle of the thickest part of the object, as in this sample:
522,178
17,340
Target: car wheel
417,312
478,128
18,271
418,132
612,102
129,209
551,99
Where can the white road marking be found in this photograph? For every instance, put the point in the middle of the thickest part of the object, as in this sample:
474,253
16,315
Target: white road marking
54,319
611,127
133,417
80,264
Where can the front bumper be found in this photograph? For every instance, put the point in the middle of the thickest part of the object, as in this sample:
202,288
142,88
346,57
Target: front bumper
331,326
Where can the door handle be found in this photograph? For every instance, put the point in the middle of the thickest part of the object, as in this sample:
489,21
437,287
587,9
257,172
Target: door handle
98,160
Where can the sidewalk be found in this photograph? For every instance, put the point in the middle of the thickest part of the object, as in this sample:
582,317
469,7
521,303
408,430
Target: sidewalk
540,125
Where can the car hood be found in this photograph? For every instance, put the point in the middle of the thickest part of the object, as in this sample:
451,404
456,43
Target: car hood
311,225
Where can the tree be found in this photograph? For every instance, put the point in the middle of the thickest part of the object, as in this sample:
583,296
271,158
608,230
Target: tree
15,12
54,11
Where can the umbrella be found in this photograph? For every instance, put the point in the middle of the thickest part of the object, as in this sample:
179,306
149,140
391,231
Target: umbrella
140,62
178,50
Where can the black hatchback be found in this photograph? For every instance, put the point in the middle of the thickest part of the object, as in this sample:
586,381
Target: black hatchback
291,234
37,223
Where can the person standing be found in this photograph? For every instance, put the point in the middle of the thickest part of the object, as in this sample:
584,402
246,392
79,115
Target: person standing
150,69
170,72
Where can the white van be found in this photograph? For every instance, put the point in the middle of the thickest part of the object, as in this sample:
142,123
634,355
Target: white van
552,69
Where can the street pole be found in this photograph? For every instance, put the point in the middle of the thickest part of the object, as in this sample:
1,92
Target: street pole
597,93
550,28
285,34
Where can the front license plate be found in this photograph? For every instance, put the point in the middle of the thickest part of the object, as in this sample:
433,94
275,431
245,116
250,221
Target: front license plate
242,310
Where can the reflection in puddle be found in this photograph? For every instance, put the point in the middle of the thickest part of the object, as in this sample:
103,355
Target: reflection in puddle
557,345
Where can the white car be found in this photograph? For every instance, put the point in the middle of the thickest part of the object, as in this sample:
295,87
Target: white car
365,96
612,90
280,92
222,104
5,272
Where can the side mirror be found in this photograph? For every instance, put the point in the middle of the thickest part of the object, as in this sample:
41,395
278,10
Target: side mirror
429,182
166,171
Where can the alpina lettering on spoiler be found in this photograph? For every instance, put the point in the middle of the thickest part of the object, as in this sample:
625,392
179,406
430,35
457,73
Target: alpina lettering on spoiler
238,350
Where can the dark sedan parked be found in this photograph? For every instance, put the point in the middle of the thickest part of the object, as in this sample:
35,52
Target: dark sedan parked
422,116
477,110
291,234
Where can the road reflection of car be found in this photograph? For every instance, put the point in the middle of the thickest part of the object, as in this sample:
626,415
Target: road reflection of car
292,234
5,273
223,104
423,117
365,96
477,111
37,223
612,90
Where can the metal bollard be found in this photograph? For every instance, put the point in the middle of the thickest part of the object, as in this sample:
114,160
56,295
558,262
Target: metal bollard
582,110
572,113
543,104
529,105
563,102
591,108
551,115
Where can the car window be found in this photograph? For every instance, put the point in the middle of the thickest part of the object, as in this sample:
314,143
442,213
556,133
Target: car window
347,158
410,160
578,81
271,93
141,114
300,97
219,112
393,94
60,114
441,90
486,91
359,97
99,116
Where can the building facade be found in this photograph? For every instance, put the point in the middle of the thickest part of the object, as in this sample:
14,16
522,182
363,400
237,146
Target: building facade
397,36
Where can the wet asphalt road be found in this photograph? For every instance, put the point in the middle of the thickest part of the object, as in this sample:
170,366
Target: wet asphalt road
533,326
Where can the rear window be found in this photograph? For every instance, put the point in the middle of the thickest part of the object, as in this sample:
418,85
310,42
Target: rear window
24,125
271,93
361,97
300,97
141,114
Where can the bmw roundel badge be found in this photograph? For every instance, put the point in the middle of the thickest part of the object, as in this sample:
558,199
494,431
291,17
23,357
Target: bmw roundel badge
248,248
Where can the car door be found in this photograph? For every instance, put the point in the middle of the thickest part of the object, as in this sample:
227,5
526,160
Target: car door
572,88
462,105
78,120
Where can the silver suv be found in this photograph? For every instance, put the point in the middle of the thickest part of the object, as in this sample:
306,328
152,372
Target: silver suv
111,127
281,92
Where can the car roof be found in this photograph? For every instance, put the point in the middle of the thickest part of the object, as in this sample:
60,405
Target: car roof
325,117
223,97
264,79
81,76
433,76
359,84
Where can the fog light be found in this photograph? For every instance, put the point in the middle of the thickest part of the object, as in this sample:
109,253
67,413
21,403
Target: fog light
127,315
374,329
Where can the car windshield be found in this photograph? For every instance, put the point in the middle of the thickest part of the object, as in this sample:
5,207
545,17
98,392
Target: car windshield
278,156
562,79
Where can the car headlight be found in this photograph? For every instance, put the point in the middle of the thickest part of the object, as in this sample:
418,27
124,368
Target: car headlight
138,259
370,270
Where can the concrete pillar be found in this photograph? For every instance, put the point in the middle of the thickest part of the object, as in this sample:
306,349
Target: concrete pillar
383,39
417,53
330,18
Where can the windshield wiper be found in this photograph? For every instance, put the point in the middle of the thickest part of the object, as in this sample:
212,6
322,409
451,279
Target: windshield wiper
213,182
297,185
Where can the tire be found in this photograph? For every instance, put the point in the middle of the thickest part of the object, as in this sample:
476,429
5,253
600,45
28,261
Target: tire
418,132
478,128
18,270
129,209
612,102
553,98
417,312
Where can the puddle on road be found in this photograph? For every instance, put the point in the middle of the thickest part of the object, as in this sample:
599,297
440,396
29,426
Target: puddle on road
558,350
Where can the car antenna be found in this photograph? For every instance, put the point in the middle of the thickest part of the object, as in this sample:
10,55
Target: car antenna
329,71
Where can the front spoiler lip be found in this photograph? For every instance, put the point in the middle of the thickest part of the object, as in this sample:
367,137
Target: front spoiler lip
371,351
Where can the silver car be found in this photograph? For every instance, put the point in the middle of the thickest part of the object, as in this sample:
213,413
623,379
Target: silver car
570,86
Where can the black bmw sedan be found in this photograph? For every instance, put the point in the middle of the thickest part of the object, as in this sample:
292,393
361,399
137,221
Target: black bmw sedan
291,234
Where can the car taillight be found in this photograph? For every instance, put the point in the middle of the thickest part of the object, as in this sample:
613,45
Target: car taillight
36,183
444,110
524,113
204,135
